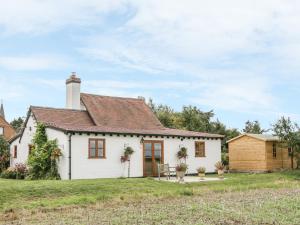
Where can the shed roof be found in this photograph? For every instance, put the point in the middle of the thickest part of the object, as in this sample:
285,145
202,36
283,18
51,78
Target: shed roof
262,137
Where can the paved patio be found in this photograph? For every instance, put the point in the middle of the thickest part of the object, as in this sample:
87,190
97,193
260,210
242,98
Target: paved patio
191,179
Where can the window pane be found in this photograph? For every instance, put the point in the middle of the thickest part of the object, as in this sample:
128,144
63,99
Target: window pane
100,152
1,130
92,144
92,152
148,150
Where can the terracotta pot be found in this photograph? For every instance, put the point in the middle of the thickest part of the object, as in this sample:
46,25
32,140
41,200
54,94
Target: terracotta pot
221,174
180,175
201,175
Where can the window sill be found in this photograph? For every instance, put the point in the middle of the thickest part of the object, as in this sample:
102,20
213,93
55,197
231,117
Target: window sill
96,157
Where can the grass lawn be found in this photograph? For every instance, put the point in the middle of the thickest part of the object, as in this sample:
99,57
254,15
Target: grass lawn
240,199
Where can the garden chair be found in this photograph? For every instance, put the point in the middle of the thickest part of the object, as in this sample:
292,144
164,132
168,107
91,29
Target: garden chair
166,170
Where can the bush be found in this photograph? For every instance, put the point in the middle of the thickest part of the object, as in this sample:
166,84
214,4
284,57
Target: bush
225,158
4,154
21,170
17,172
10,173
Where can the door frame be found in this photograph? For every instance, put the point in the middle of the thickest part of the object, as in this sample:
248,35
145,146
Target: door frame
162,153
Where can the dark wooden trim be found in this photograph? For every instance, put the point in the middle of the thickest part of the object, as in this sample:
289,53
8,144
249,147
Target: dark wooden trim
96,148
162,154
15,151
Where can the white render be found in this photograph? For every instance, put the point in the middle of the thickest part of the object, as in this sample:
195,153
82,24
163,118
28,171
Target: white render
111,166
23,142
73,95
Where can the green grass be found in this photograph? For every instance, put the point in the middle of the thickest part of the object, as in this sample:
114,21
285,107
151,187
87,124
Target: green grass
48,196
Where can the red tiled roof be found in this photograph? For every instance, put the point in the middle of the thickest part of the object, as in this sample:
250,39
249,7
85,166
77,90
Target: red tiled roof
105,114
129,113
61,117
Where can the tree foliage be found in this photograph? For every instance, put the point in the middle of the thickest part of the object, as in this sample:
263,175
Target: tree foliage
4,154
253,128
43,158
193,119
17,124
289,135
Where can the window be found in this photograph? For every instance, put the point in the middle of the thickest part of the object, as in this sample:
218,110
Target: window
30,149
96,148
274,151
15,151
1,131
199,149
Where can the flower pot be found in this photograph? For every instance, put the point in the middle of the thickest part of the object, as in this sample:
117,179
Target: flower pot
221,174
201,175
180,175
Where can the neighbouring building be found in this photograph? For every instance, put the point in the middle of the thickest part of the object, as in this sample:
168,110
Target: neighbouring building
6,129
257,153
93,131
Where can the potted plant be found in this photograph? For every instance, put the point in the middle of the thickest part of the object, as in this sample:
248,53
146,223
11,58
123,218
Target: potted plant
128,151
182,153
220,169
201,172
180,171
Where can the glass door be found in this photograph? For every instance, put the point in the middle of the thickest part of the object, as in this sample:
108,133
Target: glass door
153,155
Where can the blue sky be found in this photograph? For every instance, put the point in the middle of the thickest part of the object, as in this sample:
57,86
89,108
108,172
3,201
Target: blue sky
239,58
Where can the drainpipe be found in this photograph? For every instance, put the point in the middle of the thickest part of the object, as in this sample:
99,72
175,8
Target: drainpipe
70,156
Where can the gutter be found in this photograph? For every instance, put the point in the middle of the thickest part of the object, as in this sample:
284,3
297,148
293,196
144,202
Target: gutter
70,155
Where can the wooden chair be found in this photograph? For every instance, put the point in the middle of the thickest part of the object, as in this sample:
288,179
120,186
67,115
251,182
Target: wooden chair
166,170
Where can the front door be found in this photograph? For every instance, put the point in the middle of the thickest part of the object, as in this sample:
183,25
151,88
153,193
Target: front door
153,155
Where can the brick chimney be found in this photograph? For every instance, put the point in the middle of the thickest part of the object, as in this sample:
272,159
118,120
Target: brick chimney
73,92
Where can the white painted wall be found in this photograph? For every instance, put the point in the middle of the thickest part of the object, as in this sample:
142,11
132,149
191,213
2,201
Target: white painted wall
73,95
111,166
62,141
26,139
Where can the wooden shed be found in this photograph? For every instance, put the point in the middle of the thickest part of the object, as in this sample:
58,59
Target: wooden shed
257,153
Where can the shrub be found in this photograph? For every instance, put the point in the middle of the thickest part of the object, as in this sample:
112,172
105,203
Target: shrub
219,166
225,158
21,170
4,154
17,172
10,173
182,167
201,170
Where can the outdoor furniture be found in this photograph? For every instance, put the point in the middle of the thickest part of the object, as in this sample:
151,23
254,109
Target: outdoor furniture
166,170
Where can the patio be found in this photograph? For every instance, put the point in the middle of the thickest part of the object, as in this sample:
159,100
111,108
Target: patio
190,179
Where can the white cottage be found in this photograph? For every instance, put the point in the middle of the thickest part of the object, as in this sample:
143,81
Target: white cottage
93,130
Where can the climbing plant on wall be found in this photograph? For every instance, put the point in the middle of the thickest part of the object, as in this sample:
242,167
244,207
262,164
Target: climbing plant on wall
42,161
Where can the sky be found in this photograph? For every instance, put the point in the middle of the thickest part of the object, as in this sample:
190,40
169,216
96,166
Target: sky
238,58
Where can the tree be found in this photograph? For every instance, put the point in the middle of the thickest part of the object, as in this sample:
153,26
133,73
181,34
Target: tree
4,154
253,127
43,158
288,133
194,119
17,124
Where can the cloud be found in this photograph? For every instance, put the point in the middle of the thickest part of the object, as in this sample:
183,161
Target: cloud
228,55
35,16
33,62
